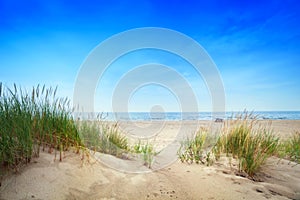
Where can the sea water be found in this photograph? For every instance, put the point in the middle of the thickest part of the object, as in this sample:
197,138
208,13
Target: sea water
175,116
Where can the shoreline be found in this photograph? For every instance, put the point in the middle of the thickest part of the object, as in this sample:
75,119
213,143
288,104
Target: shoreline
177,116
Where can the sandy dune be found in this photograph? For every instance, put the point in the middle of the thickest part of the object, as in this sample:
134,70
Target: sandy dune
46,178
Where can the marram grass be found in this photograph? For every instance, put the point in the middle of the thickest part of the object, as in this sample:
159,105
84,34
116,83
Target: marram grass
147,151
290,148
102,137
38,120
31,121
107,138
243,139
250,143
192,150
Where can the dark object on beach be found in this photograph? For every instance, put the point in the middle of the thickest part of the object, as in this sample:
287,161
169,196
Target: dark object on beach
219,120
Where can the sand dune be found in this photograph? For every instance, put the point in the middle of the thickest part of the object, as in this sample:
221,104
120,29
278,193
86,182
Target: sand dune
46,178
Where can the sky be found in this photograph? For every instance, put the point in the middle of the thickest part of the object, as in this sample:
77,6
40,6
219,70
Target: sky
255,46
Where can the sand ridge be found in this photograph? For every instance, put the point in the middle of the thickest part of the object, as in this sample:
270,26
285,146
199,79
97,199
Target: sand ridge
46,178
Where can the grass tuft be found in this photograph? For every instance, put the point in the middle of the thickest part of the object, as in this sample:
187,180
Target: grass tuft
242,138
33,121
106,138
192,150
290,148
147,151
103,137
250,143
38,120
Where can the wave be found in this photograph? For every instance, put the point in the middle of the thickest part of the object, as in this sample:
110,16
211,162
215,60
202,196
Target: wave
175,116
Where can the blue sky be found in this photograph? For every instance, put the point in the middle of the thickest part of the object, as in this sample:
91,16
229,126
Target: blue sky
254,44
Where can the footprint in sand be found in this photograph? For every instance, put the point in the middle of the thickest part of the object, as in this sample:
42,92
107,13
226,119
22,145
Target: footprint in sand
163,192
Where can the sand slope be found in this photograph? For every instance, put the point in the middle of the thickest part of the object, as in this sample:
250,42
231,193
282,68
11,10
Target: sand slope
46,178
71,179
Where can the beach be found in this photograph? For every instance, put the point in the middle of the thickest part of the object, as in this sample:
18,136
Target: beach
90,178
151,100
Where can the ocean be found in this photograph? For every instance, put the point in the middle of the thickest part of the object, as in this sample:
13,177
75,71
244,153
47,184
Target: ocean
175,116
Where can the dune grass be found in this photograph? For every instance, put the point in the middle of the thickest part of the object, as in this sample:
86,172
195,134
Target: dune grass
103,137
100,136
38,120
33,121
243,139
249,142
147,151
290,148
192,150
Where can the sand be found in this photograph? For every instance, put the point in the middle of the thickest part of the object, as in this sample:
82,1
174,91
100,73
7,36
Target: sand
94,178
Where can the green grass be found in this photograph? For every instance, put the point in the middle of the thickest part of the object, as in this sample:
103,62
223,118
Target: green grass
105,137
147,151
192,150
290,148
33,121
250,143
38,120
102,137
243,139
